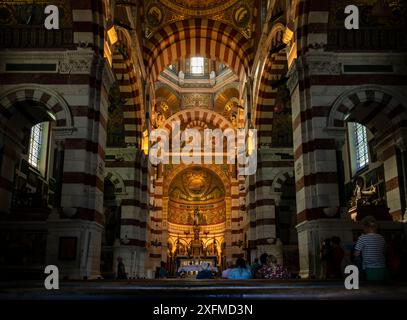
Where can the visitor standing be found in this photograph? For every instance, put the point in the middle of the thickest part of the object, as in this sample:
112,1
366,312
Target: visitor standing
371,246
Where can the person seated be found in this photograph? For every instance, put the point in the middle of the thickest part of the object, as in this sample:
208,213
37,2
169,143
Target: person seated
255,266
162,271
272,270
205,272
241,272
226,272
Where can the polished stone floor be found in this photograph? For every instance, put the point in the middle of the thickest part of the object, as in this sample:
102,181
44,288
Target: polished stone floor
197,289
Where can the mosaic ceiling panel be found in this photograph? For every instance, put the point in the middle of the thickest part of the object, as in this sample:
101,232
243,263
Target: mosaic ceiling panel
197,188
196,184
238,13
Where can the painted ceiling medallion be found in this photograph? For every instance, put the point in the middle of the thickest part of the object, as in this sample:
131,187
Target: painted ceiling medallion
198,7
155,15
241,16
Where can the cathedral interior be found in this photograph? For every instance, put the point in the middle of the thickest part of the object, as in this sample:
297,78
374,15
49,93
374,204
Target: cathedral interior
80,105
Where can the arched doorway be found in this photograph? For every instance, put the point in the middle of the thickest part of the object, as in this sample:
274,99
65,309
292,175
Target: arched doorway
196,218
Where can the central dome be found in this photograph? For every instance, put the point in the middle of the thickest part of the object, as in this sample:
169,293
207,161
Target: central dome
198,7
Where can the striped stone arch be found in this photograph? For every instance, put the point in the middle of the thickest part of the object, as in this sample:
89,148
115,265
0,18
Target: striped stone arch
280,179
275,68
375,107
214,168
49,98
117,180
198,114
203,37
130,85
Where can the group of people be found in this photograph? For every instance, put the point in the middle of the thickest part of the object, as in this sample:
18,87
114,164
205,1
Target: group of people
375,259
369,254
267,269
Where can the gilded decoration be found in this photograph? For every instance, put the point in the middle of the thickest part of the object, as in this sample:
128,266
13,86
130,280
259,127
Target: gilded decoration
197,100
238,13
196,188
155,15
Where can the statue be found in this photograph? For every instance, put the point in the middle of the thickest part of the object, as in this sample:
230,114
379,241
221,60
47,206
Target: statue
196,233
367,203
196,217
363,197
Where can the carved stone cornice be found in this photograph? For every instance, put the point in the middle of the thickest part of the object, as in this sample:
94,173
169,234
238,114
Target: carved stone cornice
324,67
63,132
68,62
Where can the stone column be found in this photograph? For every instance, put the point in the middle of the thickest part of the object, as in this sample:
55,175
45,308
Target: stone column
316,167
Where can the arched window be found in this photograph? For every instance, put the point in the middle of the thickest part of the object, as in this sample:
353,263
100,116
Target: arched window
361,146
197,66
358,147
38,150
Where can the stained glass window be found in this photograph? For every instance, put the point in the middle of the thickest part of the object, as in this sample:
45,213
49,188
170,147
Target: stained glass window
36,141
361,146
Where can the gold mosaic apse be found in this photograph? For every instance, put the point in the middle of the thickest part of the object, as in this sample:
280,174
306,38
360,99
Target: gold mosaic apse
196,188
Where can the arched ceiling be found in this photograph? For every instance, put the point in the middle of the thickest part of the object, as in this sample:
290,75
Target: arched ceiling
196,188
198,37
218,30
197,185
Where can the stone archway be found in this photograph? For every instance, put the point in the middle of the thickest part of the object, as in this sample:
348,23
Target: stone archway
383,112
215,228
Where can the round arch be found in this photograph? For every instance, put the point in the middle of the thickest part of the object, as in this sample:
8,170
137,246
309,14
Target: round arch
214,168
198,114
128,78
51,99
117,181
376,101
264,57
208,38
280,179
274,68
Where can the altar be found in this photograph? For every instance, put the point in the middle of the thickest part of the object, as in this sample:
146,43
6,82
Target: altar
189,267
189,254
